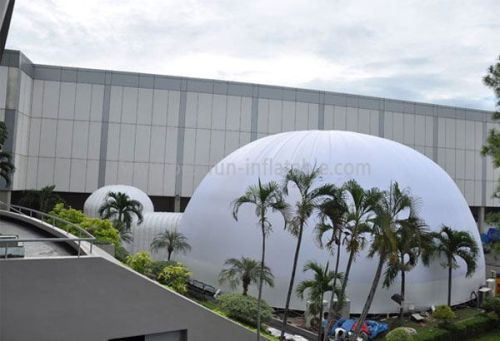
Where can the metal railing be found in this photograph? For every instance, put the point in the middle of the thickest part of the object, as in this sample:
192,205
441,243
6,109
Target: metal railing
83,235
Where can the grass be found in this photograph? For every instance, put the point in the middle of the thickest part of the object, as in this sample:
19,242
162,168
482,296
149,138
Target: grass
430,327
491,336
215,308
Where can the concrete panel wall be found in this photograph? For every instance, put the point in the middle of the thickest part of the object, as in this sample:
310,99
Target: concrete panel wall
88,128
94,299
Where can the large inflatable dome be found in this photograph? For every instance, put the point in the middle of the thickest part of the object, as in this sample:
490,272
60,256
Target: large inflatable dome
374,162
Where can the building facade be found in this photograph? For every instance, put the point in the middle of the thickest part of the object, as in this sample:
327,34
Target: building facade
81,129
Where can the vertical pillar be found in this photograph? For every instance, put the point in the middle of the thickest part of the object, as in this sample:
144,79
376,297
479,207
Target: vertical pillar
480,219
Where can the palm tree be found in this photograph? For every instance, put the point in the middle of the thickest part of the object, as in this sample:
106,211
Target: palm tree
173,241
317,287
332,213
309,200
245,271
265,197
121,209
6,166
393,209
413,241
42,200
452,244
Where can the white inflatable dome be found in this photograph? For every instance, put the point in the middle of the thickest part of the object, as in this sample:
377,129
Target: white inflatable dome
96,199
374,162
153,224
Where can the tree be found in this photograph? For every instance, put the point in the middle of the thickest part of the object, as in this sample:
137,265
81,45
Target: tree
333,214
173,241
265,197
245,271
413,241
121,210
303,209
456,244
316,288
6,166
393,209
492,145
43,200
360,213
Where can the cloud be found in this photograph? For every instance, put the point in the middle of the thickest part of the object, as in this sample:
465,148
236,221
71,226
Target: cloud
420,50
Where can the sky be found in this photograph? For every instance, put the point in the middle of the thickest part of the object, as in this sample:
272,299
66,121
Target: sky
425,51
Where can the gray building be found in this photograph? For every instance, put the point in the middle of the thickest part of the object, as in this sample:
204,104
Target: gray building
81,129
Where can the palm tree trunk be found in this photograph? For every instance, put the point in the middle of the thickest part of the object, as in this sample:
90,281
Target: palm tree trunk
245,288
346,278
402,293
449,284
401,308
332,306
292,280
261,278
320,329
371,295
169,255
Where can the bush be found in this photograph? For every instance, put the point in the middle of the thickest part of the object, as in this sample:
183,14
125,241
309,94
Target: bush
465,329
492,304
175,276
101,229
158,267
443,313
141,262
399,334
244,308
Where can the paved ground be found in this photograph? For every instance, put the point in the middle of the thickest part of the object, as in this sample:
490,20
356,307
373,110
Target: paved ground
38,249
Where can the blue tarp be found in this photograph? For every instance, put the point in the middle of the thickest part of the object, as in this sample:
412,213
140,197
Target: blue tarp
491,236
374,328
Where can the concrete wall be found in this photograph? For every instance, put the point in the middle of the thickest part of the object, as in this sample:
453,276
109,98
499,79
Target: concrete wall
81,129
93,299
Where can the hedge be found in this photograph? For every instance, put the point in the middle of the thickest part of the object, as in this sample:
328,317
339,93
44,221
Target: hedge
465,329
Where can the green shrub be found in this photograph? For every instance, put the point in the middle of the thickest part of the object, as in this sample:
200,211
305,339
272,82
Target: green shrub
399,334
492,304
443,313
158,267
141,262
175,276
244,308
101,229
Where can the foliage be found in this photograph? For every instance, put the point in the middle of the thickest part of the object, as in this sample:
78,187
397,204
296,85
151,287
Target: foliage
101,229
244,308
6,166
492,304
443,312
121,209
173,241
42,200
399,334
492,146
316,287
310,198
245,271
265,197
175,276
393,210
452,244
158,267
141,262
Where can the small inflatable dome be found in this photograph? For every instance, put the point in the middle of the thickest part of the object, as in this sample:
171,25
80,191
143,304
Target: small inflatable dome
96,199
374,162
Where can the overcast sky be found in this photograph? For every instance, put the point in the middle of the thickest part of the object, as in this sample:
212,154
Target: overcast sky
425,50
